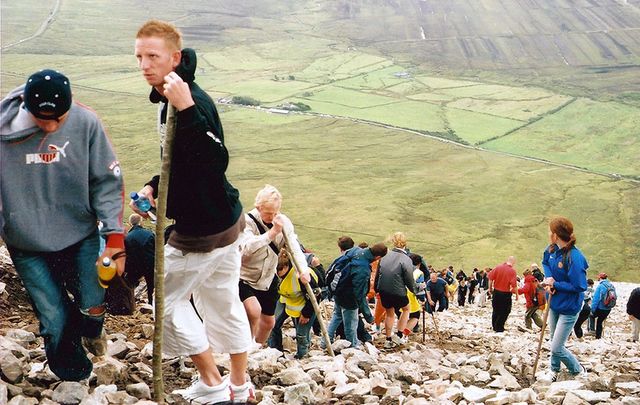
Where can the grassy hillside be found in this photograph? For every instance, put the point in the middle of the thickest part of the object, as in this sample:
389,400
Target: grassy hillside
458,205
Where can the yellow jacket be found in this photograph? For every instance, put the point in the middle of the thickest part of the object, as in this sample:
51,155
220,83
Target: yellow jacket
292,294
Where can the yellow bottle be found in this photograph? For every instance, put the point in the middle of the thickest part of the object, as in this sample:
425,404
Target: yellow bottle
106,271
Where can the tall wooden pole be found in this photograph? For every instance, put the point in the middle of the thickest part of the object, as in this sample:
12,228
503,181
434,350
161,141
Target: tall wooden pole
312,296
544,326
161,211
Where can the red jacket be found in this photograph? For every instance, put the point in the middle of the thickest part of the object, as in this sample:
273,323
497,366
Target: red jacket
529,288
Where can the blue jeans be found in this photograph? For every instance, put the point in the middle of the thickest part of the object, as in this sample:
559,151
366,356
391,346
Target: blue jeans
560,327
349,318
48,276
303,332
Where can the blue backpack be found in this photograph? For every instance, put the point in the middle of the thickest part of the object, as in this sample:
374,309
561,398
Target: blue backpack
335,272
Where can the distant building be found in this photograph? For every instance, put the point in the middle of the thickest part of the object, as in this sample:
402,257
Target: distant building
402,75
278,111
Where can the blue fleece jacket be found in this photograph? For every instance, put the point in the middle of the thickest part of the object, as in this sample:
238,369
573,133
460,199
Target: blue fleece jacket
352,289
570,275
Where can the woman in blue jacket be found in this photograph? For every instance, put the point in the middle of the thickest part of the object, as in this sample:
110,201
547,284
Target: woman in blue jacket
565,268
598,310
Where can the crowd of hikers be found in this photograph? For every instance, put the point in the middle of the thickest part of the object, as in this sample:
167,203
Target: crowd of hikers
231,278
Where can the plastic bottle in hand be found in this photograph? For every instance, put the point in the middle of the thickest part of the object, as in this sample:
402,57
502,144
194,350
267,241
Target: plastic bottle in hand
106,272
144,205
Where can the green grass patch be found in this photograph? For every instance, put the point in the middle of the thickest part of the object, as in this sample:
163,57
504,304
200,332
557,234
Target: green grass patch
341,65
497,92
343,178
267,91
375,79
349,98
443,83
474,127
595,135
407,114
517,109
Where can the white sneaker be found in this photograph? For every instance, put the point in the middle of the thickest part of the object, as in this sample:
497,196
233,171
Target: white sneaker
398,340
582,375
201,393
549,376
255,346
242,393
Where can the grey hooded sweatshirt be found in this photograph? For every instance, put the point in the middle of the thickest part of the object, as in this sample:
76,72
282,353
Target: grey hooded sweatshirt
54,187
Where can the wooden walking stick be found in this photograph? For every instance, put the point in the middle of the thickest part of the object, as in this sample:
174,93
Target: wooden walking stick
311,295
424,324
433,316
544,325
161,211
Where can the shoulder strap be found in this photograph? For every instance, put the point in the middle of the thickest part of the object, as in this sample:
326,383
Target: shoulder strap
262,231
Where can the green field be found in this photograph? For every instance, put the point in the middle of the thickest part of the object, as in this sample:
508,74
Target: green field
465,206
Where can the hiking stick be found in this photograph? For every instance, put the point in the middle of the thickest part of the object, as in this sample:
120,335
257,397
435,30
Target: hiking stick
312,296
544,325
433,316
161,211
424,325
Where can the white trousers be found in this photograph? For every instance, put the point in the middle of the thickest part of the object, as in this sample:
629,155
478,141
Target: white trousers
212,278
482,297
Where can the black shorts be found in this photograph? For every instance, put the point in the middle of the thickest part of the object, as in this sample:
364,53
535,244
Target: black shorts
414,315
267,299
393,301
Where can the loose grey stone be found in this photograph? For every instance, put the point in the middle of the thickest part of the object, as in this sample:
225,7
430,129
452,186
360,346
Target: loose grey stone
11,366
298,394
139,390
20,400
70,392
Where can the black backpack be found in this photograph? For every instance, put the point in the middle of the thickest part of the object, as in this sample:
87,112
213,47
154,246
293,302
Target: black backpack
538,275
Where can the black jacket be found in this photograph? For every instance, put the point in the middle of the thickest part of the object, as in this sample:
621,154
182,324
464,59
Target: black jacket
200,200
140,247
633,305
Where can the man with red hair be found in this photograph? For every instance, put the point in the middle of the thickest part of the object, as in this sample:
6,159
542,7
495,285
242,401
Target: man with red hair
202,256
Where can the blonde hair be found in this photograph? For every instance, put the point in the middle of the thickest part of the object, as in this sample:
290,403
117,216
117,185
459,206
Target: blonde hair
268,195
162,29
135,219
399,240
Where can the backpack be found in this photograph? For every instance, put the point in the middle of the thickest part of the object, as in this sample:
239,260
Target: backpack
538,298
537,273
334,273
609,297
449,278
319,270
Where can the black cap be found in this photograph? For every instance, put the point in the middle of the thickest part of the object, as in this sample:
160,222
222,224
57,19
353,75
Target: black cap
47,94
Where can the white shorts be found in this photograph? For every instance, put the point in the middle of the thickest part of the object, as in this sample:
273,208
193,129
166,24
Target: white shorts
212,278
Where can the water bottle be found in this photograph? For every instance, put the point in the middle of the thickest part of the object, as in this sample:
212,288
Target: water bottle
144,205
106,272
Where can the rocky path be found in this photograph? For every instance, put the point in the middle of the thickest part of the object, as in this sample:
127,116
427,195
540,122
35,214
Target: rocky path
468,365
